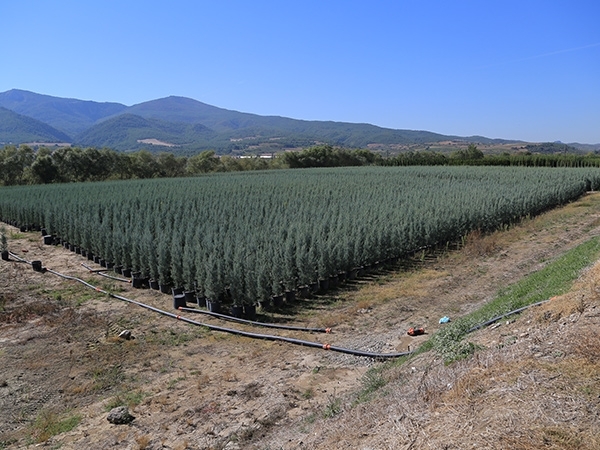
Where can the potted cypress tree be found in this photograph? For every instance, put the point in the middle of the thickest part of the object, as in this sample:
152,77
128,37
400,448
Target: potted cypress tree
3,244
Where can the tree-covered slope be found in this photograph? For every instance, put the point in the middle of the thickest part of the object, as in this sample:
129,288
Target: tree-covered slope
130,132
16,128
66,114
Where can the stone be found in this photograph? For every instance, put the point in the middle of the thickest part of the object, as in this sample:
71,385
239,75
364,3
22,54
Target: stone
120,416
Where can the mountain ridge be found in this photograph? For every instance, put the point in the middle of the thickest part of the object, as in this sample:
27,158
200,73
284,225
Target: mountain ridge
188,125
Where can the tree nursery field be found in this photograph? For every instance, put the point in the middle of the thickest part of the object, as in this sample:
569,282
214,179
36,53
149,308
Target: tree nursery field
245,238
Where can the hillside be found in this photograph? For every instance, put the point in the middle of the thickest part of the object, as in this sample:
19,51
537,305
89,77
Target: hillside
18,128
533,383
130,132
69,115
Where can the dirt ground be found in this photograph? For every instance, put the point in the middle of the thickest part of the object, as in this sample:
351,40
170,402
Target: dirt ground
189,388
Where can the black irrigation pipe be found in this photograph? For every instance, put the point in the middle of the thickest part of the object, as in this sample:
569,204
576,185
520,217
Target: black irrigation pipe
510,313
101,273
269,336
251,322
232,330
221,316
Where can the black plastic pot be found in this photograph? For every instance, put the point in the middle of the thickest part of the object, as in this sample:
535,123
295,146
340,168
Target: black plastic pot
83,253
5,255
165,288
290,296
250,312
118,269
126,272
323,284
48,240
179,301
190,296
177,291
333,281
72,247
201,301
213,306
237,311
44,232
37,266
110,265
97,259
78,250
137,281
22,229
102,263
154,284
266,304
278,301
90,256
304,291
314,286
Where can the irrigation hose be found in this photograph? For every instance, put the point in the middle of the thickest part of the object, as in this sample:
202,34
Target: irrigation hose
232,330
510,313
251,322
101,273
268,336
222,316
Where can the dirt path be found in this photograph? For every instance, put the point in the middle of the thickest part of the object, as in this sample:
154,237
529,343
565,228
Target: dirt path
190,388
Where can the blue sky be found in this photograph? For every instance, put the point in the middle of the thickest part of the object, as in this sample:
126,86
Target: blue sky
526,70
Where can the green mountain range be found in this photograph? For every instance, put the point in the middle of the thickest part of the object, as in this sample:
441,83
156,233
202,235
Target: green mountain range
186,126
17,128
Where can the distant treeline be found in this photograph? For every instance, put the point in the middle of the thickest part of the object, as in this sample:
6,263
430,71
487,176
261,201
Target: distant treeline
23,165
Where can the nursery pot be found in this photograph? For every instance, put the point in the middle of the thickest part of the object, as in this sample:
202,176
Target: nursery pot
177,291
165,288
90,256
237,311
37,266
48,240
304,291
5,255
201,301
179,301
154,284
118,269
250,312
278,301
290,296
190,296
324,284
125,272
213,306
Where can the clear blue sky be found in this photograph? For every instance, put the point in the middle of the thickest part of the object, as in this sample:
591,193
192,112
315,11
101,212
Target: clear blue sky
521,69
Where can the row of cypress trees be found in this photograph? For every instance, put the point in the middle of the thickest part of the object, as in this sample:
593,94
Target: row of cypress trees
254,235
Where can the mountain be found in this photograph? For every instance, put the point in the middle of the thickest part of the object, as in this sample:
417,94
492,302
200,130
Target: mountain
186,126
18,129
131,132
69,115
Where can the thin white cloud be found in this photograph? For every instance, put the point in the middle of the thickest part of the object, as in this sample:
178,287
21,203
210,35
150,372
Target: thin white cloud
542,55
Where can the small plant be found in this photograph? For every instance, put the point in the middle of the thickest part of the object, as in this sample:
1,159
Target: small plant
49,424
333,408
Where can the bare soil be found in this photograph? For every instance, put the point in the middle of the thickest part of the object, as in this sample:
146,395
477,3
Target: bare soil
535,383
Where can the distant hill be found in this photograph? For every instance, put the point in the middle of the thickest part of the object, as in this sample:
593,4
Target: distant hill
185,125
69,115
16,128
131,132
